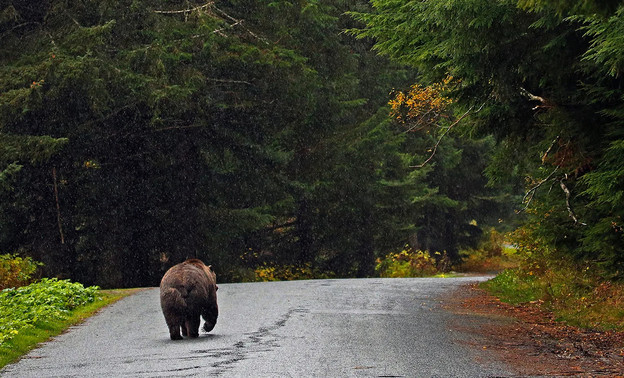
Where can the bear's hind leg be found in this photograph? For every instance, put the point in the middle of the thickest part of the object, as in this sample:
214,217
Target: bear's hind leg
173,323
192,325
174,332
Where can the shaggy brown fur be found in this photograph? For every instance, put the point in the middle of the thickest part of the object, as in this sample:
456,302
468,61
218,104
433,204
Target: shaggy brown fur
188,290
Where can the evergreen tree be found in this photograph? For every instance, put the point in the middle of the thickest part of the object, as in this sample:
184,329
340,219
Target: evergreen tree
547,77
138,133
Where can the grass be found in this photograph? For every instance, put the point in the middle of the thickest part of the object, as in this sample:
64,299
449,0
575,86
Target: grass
43,331
513,287
575,297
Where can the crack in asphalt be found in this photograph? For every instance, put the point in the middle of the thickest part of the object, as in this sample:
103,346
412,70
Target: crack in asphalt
262,340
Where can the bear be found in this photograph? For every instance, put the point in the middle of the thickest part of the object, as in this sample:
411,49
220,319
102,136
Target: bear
188,290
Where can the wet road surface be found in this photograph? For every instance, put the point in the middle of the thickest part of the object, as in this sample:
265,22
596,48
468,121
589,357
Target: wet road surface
316,328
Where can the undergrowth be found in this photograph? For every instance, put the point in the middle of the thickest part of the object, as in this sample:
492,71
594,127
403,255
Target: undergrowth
575,292
412,263
492,255
47,300
16,271
32,314
272,272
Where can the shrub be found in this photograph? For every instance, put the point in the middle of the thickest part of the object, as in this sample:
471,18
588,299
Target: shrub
574,290
44,301
16,271
492,254
288,273
412,263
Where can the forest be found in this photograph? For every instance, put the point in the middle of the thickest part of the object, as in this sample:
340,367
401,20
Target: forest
320,134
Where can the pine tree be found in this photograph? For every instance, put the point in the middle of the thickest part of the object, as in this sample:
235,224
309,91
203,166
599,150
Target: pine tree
546,76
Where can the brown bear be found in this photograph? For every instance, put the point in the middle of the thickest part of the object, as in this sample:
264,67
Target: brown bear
188,290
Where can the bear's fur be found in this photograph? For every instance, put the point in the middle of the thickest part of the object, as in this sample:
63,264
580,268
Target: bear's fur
188,290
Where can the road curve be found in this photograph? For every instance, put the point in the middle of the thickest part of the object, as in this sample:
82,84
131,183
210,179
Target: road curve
316,328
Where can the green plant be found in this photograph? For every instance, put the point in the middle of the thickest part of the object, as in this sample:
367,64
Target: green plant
29,337
411,263
514,286
268,272
575,291
16,271
492,254
48,300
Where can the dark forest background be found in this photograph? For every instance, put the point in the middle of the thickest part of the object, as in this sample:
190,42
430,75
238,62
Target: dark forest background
137,133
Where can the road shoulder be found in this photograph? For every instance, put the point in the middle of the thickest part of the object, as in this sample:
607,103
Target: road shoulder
531,342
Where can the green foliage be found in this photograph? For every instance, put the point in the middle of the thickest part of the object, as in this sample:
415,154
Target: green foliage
47,300
492,254
580,299
604,237
515,287
576,292
137,133
548,85
606,42
16,271
28,338
412,263
564,7
537,260
190,129
289,273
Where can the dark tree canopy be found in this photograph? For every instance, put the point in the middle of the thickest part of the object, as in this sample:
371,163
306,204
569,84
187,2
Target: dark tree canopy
549,76
137,133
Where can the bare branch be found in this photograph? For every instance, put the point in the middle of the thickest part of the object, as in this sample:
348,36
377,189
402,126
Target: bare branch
185,11
421,125
532,97
237,22
228,81
435,147
531,192
528,197
216,12
549,149
19,26
567,193
178,127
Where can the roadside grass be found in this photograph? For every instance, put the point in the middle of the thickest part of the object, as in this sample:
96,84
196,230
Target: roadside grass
575,297
42,331
576,292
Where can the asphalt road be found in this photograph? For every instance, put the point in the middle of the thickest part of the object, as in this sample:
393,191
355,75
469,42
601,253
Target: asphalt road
317,328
